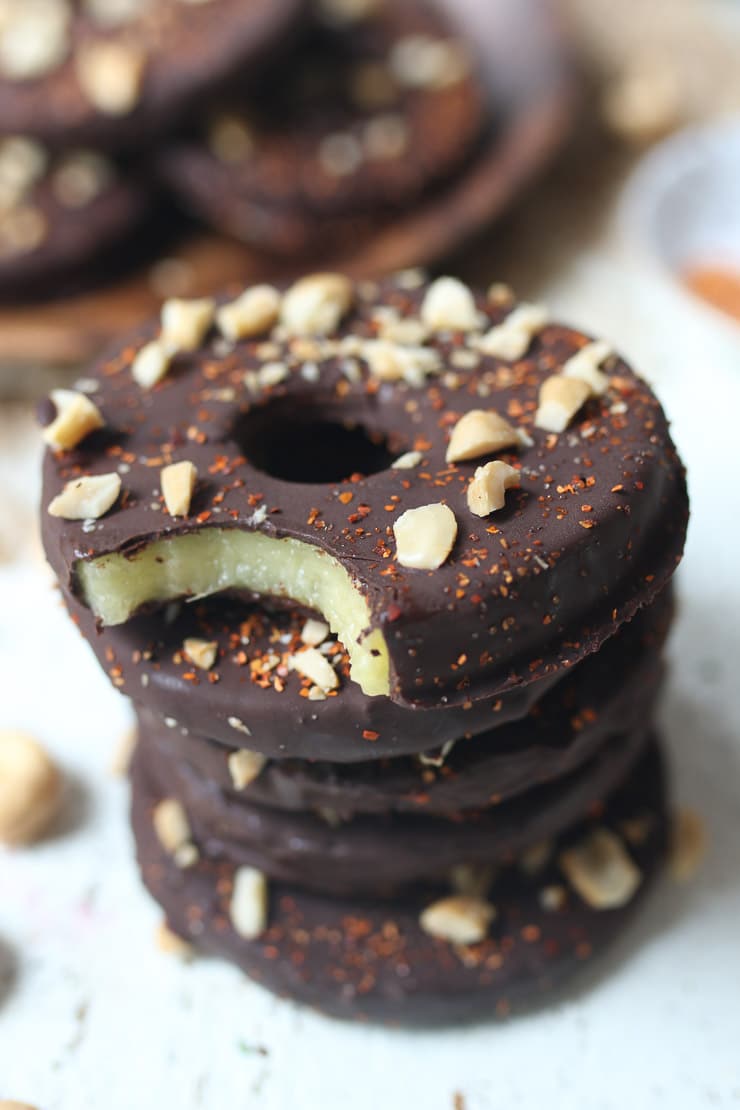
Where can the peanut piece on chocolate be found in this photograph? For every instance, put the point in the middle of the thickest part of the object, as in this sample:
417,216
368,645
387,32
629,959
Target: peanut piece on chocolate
81,177
314,632
459,919
172,828
425,536
512,338
86,498
201,653
151,364
185,323
316,304
408,461
553,897
114,13
248,910
111,74
392,362
559,401
480,433
178,482
23,163
244,767
585,366
272,373
30,788
76,417
172,944
487,491
21,229
424,62
35,38
312,664
255,312
123,753
688,845
499,293
601,871
340,154
406,331
449,306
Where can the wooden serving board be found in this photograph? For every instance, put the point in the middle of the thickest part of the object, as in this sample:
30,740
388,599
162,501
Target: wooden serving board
527,66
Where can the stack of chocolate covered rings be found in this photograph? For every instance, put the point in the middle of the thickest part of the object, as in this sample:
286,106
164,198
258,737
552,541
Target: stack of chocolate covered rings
87,90
384,569
288,123
371,111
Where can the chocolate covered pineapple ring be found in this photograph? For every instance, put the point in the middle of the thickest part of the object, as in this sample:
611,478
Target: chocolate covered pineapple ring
374,960
612,691
285,485
59,213
379,854
226,669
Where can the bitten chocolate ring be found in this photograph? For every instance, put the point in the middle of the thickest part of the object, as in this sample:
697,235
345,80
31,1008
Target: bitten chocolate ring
613,691
263,461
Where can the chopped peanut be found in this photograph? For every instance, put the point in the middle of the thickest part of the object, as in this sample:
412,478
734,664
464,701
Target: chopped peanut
459,919
244,767
178,482
585,366
202,653
559,401
110,73
186,323
248,909
487,491
76,417
511,339
449,306
316,304
600,870
480,433
255,312
86,498
425,536
151,364
312,664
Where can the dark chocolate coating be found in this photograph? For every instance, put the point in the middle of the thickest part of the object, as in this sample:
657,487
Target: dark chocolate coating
191,50
594,533
281,196
380,854
367,960
144,659
612,691
76,238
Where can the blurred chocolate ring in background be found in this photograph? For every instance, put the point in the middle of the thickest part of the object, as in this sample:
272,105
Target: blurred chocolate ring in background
525,62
